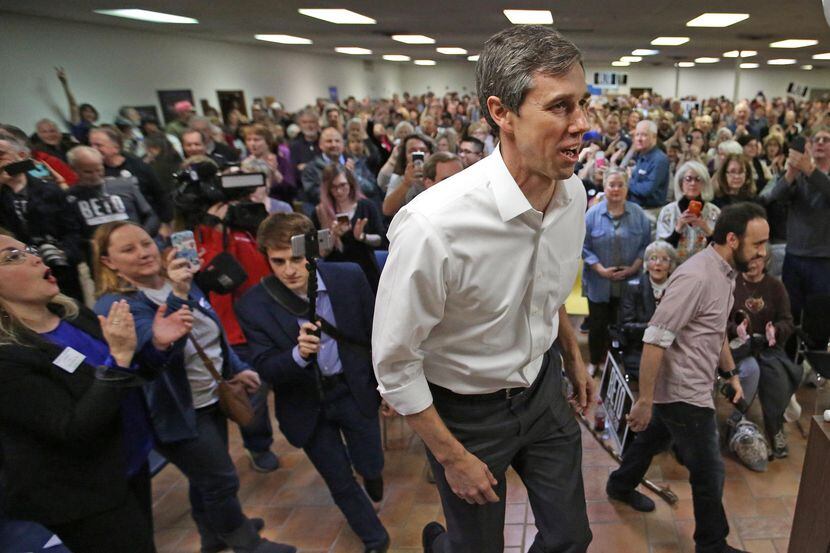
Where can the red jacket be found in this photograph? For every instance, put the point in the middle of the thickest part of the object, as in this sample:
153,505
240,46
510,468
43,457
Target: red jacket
242,246
58,165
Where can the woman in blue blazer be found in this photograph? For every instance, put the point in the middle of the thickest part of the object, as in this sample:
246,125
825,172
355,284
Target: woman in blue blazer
189,427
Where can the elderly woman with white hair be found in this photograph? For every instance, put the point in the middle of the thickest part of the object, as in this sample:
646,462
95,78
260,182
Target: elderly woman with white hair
688,222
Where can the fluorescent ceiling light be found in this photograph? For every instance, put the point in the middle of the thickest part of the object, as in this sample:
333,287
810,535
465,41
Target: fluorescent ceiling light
396,57
717,19
620,63
824,56
451,51
631,59
782,61
707,60
283,39
339,16
669,40
147,15
353,50
749,66
644,52
473,58
742,54
807,67
424,62
413,39
529,17
686,64
793,43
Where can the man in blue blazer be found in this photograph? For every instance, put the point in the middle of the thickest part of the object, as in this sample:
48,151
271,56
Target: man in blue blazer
328,407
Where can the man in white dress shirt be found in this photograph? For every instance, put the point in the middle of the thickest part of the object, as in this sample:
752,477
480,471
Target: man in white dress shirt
471,301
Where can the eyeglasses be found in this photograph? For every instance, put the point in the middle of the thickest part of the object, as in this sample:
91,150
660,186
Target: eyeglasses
659,259
822,139
16,256
692,178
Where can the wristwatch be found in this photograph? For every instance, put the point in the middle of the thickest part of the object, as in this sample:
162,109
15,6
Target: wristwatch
728,374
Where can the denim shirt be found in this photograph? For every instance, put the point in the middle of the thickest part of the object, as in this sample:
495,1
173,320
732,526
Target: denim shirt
650,179
611,247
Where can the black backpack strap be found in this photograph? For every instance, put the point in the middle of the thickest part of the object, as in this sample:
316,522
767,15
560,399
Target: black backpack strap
298,307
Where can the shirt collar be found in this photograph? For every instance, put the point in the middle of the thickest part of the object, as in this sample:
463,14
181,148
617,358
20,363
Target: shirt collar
724,267
510,200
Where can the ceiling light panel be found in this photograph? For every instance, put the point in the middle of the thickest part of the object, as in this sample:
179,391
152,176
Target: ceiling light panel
631,59
283,39
793,43
353,50
451,51
686,64
473,58
396,57
339,16
620,63
529,17
807,67
147,15
413,39
782,61
669,40
424,62
749,66
644,52
710,19
707,60
824,56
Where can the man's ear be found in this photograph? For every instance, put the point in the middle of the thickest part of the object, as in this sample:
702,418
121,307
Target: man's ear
500,114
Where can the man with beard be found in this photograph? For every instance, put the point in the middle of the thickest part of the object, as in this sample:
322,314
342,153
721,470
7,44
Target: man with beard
683,346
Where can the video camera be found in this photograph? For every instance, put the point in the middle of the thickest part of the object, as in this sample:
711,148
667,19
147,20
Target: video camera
202,185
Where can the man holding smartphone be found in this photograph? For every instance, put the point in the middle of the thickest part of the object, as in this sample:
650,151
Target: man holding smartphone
471,300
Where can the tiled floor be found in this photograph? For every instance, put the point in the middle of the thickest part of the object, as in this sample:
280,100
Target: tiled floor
298,509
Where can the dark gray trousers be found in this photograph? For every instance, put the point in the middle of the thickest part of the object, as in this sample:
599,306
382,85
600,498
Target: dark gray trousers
535,433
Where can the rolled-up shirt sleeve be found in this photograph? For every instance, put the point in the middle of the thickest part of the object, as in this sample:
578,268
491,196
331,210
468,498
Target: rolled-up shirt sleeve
410,302
678,306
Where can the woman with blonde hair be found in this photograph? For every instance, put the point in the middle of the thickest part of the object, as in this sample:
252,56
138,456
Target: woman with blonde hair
189,427
688,222
74,429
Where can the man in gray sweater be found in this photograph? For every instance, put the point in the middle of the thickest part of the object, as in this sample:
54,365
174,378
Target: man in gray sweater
805,186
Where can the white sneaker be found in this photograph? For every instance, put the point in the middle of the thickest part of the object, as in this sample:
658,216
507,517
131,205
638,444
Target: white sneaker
793,411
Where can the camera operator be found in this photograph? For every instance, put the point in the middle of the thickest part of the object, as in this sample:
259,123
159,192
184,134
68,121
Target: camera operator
37,212
226,223
100,200
334,419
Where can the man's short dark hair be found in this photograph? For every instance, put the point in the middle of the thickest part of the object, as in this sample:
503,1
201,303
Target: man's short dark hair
276,230
512,57
431,164
473,140
734,218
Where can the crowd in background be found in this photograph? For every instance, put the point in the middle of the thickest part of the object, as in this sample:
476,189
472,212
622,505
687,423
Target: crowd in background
657,172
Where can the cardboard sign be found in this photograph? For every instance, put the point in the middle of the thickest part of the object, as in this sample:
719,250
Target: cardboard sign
618,400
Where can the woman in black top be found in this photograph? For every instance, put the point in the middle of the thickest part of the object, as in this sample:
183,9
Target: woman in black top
64,408
354,221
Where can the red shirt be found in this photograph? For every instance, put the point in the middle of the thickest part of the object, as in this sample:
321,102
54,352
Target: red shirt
242,246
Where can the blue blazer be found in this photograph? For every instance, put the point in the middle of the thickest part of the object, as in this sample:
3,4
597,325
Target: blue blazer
169,399
272,334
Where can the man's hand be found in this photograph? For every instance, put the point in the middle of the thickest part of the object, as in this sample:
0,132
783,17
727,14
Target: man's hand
307,342
583,385
249,379
387,410
621,273
735,381
61,73
639,416
349,165
471,480
359,228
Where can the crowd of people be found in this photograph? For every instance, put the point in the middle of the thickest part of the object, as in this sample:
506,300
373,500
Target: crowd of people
89,208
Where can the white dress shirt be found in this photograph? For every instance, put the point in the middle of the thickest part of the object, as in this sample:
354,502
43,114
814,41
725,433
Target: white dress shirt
470,294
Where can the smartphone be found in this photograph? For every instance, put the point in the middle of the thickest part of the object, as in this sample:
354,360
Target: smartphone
185,245
418,159
16,168
695,207
797,143
343,218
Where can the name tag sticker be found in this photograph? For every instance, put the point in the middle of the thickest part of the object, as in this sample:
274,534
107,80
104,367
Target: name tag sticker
642,171
69,360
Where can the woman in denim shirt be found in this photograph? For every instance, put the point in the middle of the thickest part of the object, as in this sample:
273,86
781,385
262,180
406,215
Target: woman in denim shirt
616,235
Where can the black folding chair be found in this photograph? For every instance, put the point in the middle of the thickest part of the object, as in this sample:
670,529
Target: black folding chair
813,335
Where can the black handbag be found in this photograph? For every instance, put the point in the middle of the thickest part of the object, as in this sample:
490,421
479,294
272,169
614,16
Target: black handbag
223,274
